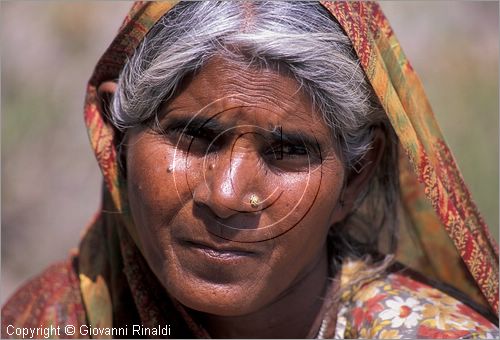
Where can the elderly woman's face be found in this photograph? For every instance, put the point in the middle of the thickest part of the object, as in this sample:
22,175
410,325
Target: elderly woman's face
234,194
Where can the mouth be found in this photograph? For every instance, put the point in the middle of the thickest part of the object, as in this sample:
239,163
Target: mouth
216,252
211,260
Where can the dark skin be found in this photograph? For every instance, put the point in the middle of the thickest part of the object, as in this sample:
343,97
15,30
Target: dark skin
245,270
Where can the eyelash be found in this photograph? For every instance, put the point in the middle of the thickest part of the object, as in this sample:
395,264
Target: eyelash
182,132
293,150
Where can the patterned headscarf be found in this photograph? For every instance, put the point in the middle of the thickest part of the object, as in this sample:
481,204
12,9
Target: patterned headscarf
450,241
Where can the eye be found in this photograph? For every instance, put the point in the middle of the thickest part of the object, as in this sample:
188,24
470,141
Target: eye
281,151
187,133
197,140
293,150
287,157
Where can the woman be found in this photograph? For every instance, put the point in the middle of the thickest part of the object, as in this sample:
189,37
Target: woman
269,139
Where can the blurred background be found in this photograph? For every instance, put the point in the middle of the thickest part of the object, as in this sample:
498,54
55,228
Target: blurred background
50,182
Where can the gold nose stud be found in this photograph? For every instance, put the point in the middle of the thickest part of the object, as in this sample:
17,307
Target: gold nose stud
254,201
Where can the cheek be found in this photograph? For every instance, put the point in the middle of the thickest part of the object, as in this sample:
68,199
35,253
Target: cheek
155,196
158,177
314,214
330,189
148,180
309,199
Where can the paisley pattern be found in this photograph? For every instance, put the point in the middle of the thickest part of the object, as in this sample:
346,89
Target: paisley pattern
53,298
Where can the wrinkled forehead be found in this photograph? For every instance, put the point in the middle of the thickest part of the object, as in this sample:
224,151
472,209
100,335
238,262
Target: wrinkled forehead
235,94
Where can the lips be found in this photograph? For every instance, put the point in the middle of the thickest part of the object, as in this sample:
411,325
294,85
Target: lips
218,252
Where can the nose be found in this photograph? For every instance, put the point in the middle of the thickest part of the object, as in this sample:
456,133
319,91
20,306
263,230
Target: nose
231,184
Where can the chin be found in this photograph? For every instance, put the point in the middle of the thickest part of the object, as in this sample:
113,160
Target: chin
221,299
225,283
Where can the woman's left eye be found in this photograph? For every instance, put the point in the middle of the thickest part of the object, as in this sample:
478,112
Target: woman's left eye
296,150
288,151
292,157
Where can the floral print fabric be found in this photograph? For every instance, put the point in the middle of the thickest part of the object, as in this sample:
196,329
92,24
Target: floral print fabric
398,307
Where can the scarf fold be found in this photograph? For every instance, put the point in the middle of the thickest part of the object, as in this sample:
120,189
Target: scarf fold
444,238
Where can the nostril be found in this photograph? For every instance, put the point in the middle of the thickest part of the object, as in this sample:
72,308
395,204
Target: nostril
206,199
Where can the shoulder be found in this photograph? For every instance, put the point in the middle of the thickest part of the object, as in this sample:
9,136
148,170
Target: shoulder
51,298
396,306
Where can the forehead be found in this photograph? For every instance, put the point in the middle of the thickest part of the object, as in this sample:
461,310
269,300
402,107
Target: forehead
253,95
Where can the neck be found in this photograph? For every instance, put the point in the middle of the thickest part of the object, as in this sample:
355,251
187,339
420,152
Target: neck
290,316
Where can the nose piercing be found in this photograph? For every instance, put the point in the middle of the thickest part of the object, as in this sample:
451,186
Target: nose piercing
254,200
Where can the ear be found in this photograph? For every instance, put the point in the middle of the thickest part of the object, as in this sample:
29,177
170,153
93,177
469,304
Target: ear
359,176
105,93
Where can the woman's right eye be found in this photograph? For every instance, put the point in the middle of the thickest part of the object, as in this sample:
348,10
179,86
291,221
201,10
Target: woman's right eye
183,133
192,139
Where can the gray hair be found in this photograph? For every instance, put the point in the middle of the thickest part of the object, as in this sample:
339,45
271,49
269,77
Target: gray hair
301,37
